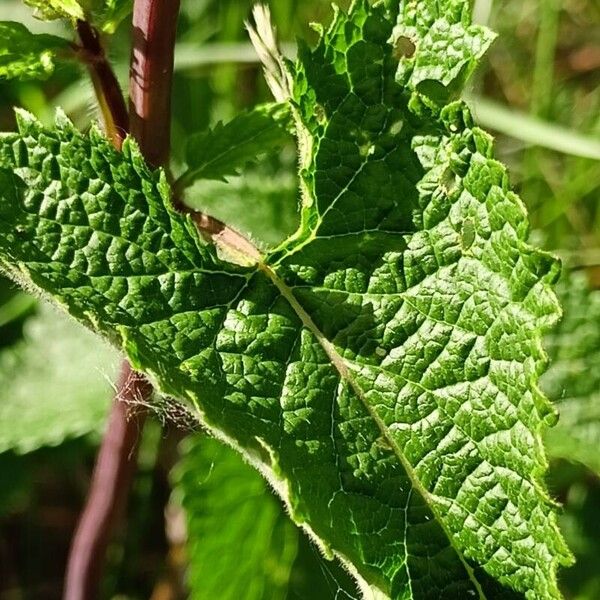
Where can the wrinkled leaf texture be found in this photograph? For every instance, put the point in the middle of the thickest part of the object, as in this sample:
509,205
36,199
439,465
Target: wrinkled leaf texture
380,366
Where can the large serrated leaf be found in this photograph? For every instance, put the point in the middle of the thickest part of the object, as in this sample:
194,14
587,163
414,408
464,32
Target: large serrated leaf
380,367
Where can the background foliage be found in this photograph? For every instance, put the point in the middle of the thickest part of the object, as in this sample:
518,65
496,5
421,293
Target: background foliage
539,91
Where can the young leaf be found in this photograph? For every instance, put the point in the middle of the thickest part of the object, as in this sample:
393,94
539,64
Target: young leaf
54,385
574,375
380,367
48,10
106,15
24,55
240,544
222,151
110,13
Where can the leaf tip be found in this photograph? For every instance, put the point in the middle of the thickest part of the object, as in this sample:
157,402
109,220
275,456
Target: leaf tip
263,37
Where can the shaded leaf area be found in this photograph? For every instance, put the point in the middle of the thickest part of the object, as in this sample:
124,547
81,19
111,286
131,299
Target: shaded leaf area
380,366
573,379
262,204
25,55
240,541
55,384
224,150
240,545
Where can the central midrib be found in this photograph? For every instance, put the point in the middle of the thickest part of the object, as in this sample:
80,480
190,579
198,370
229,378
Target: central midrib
345,373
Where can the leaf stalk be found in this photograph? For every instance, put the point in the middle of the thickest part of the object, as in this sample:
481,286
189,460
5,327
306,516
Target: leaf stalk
107,88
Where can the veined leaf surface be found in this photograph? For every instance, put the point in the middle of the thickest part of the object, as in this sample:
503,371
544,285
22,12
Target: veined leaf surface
380,367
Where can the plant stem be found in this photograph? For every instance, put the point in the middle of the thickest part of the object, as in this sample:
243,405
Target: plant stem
116,462
154,33
151,76
106,86
111,481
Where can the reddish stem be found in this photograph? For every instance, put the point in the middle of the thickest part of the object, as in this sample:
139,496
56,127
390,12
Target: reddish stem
116,463
106,85
154,31
151,76
111,482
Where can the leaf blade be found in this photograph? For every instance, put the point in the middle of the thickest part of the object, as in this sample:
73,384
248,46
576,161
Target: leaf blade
55,385
222,151
239,542
380,367
571,380
24,55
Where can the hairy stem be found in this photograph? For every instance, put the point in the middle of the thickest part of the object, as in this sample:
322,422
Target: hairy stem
116,462
111,481
154,24
108,92
151,75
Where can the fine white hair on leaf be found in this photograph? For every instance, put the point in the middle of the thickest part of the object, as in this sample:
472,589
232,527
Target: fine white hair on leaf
263,36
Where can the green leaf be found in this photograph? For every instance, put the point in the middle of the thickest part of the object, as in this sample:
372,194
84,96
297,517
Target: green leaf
222,151
48,10
106,15
380,367
438,47
110,13
240,543
573,379
54,385
24,55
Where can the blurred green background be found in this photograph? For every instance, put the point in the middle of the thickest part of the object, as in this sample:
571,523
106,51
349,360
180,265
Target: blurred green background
538,91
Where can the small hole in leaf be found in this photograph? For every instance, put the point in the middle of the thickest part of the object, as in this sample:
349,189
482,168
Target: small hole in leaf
404,48
449,180
396,127
320,114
